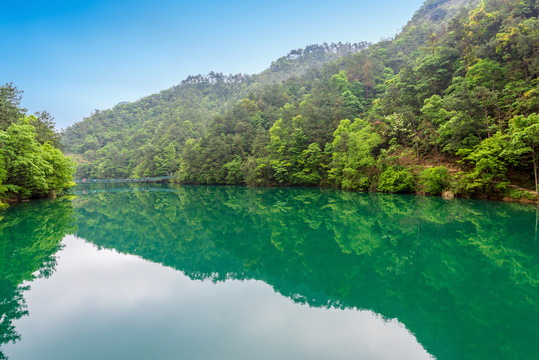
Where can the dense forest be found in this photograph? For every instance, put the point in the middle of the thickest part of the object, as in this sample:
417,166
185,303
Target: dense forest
146,137
450,105
31,162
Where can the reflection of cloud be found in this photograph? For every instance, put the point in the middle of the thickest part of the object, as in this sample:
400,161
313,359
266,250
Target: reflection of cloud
101,304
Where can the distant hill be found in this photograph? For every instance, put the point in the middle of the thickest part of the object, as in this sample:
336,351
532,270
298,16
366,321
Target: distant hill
147,126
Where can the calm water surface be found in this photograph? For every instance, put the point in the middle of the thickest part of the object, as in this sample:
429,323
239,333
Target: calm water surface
158,272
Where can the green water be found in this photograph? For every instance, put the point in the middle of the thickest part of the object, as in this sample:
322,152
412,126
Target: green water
270,273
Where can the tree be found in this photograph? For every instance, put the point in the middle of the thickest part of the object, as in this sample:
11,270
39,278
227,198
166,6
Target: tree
490,165
464,129
351,103
10,112
340,82
485,79
368,76
310,166
434,180
396,180
525,139
433,116
234,173
24,164
43,122
59,173
32,169
352,154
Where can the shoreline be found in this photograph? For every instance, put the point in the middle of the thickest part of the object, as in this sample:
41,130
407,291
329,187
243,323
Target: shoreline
5,203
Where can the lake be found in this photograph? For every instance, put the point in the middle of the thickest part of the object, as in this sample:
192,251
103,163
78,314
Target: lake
210,272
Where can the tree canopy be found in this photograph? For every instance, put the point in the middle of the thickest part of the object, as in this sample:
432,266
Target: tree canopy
31,163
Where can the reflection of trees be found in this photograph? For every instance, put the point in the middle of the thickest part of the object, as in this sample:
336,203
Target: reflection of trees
30,235
462,275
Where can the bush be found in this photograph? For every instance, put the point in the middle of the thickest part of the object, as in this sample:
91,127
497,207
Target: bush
396,180
434,180
520,195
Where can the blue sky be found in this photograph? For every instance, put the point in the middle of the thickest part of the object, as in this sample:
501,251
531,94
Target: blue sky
71,57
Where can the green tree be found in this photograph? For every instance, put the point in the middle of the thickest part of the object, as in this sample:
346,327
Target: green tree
10,112
291,159
33,170
340,82
44,124
24,164
396,179
310,166
486,79
433,117
434,180
525,139
190,164
234,174
464,129
490,166
353,160
59,173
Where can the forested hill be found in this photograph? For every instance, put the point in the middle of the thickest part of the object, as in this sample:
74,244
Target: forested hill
450,104
124,141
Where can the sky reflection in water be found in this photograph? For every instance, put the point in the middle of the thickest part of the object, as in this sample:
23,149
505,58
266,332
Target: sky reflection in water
106,305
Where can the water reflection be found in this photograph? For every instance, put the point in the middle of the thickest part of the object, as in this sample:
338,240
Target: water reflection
129,308
461,275
30,235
